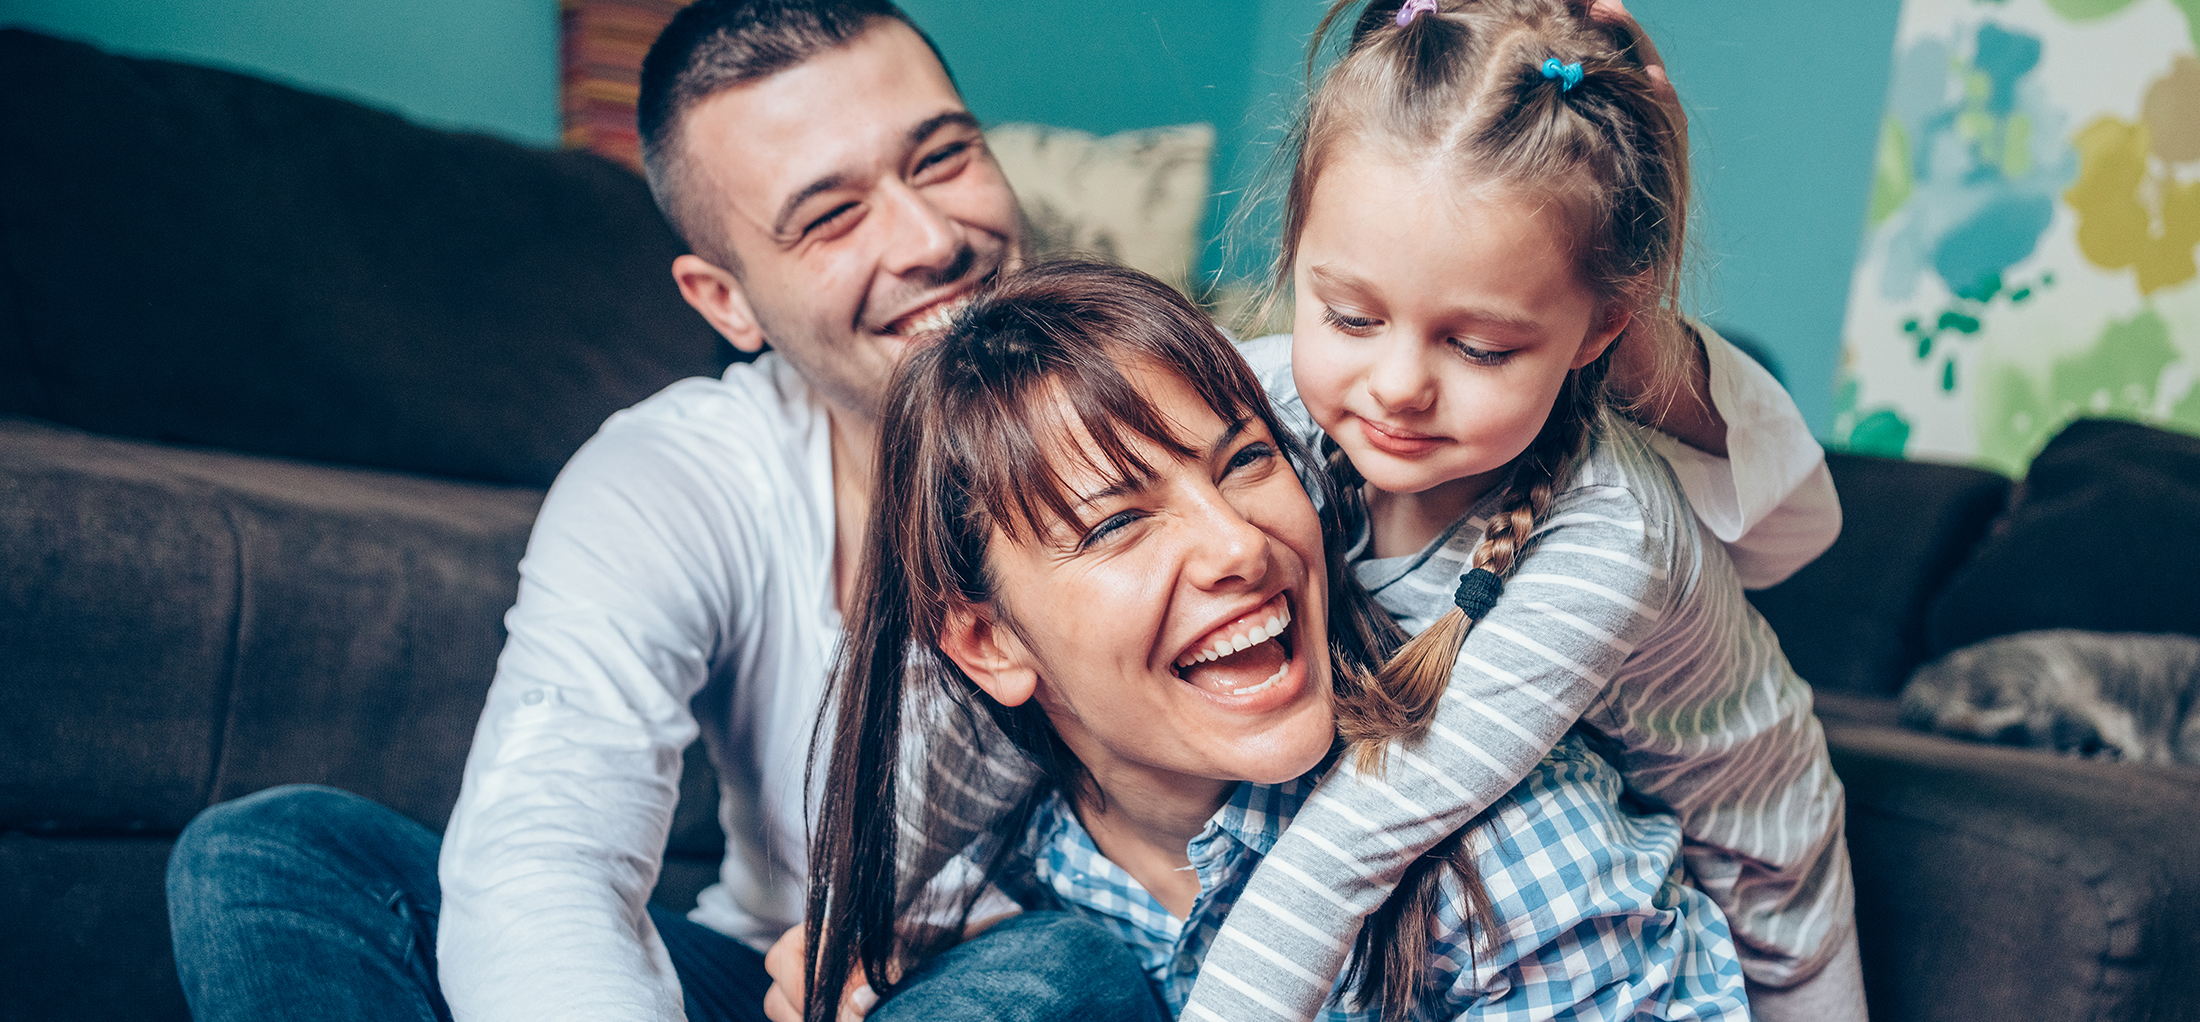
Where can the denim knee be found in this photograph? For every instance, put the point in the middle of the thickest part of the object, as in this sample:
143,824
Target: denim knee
1033,967
275,835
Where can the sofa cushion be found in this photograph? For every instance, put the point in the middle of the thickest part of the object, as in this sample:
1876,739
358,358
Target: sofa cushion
1853,620
193,255
1136,197
2104,535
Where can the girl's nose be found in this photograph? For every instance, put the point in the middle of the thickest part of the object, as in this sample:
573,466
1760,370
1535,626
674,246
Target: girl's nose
1399,379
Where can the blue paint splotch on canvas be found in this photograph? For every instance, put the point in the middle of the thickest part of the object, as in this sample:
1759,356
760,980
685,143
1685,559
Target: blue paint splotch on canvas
1987,158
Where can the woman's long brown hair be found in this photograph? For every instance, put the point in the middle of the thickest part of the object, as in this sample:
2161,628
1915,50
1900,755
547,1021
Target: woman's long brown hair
965,453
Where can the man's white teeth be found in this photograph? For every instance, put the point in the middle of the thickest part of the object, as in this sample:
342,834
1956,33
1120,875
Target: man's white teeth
1272,679
1262,632
936,318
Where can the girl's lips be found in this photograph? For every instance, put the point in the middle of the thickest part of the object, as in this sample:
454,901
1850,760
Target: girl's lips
1404,444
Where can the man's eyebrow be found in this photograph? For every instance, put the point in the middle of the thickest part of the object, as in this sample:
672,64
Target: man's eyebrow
929,126
925,129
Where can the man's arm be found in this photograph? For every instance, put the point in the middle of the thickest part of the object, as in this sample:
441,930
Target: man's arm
557,837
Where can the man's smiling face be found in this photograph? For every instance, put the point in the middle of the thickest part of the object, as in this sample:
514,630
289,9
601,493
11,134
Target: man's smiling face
857,195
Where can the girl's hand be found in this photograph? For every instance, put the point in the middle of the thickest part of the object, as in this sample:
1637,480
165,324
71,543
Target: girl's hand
783,1002
1679,406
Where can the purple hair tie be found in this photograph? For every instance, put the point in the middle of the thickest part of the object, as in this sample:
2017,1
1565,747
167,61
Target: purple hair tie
1412,9
1568,75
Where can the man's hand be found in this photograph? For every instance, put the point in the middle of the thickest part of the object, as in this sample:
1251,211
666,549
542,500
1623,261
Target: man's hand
785,964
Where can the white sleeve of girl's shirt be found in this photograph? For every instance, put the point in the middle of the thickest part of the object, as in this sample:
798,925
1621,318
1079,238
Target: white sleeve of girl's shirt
1770,500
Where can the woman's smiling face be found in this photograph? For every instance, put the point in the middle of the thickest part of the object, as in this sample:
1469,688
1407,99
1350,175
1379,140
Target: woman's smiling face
1175,636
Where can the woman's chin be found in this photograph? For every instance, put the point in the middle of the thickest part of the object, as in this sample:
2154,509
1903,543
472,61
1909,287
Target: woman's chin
1293,740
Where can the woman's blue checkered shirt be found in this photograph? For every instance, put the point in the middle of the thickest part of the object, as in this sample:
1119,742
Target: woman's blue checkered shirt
1597,919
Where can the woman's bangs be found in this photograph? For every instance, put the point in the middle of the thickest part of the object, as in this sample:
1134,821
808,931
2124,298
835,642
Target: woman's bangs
1062,437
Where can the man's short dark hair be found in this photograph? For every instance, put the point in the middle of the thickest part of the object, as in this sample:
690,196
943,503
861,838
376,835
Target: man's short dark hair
715,45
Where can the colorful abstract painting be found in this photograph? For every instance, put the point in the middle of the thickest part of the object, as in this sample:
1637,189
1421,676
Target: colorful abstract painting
2035,214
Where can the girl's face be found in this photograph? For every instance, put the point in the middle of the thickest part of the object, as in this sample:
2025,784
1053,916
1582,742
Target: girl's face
1436,324
1176,639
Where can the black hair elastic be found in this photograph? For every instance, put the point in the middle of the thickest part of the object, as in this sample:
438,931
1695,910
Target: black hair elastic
1477,592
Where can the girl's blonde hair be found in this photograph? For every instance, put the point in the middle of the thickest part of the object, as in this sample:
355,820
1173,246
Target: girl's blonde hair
1464,86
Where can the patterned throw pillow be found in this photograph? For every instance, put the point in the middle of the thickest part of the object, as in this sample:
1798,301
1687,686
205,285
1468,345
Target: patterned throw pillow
1135,197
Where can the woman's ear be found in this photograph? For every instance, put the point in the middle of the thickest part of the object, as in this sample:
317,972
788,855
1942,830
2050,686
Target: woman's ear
1611,322
716,293
990,654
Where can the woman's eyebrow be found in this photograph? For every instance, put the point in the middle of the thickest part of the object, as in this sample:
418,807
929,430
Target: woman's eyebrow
1230,432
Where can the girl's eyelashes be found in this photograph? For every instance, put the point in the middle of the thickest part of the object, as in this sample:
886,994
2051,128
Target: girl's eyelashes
1347,324
1480,356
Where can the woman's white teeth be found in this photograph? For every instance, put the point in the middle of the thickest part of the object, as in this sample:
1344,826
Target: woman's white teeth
1272,679
1262,632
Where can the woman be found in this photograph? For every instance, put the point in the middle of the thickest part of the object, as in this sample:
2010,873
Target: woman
1088,537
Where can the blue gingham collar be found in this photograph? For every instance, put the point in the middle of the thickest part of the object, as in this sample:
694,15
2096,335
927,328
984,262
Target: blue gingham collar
1066,861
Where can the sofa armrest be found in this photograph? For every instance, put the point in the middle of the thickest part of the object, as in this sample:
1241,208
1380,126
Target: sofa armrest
180,627
1998,883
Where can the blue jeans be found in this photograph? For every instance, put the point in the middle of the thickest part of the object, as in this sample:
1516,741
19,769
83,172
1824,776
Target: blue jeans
308,904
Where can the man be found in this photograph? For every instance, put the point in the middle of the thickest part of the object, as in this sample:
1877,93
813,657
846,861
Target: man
685,578
839,199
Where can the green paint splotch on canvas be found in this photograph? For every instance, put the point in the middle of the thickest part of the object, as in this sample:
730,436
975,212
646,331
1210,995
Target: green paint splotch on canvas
1881,431
2016,411
2089,10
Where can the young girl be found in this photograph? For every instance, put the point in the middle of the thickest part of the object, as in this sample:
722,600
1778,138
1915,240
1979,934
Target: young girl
1086,529
1487,200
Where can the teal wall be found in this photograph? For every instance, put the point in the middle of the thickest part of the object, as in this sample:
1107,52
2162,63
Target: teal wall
1784,99
482,65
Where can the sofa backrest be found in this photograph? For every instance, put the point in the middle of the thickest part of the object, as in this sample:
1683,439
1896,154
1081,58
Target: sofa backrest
2104,535
193,255
1854,619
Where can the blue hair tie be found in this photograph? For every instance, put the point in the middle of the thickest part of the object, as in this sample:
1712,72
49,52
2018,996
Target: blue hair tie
1478,592
1568,75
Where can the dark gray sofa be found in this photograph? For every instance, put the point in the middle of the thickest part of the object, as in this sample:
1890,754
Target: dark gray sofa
282,380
